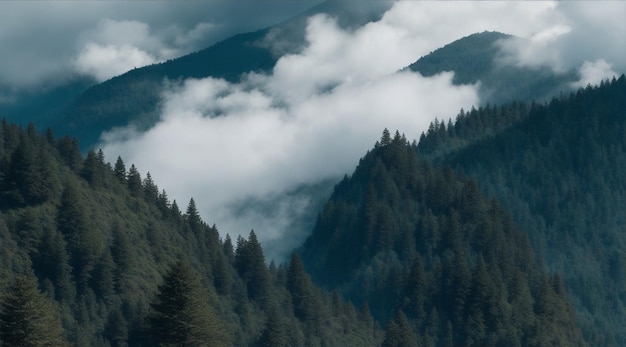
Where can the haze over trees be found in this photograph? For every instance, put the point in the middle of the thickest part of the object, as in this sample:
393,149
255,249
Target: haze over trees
502,227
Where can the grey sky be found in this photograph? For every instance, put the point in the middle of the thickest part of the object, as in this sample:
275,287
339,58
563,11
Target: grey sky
41,41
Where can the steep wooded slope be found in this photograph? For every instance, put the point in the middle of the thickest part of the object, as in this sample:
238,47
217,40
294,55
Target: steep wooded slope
407,237
559,167
477,58
101,240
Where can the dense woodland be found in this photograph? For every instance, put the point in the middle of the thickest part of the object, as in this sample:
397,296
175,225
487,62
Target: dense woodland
108,260
416,248
478,58
560,168
431,255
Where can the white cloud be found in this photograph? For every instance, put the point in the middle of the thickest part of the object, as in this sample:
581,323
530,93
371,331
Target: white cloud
41,40
228,145
106,61
574,32
593,72
114,47
310,120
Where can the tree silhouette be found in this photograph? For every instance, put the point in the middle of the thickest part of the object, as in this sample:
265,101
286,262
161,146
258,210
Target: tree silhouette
27,318
181,315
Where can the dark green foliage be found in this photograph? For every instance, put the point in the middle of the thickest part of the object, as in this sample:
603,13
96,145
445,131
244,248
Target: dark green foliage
27,317
478,58
301,290
150,189
401,234
120,169
181,314
29,174
134,181
275,333
94,168
399,333
250,264
84,244
560,168
100,242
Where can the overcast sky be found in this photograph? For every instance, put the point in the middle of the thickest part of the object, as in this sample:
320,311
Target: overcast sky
316,113
45,41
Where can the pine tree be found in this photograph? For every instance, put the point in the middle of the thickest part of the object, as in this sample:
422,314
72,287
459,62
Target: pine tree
83,242
193,217
134,181
93,169
386,138
399,333
150,189
120,169
301,289
27,318
250,263
181,314
275,333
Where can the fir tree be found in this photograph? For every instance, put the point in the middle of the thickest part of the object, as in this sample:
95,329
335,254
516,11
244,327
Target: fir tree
28,318
181,315
120,169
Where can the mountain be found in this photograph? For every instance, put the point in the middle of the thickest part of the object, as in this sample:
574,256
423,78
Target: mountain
133,98
106,259
41,105
426,250
559,167
477,58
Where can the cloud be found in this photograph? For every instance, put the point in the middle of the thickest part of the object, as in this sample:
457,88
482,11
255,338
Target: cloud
239,148
104,62
594,72
114,47
581,33
41,41
246,152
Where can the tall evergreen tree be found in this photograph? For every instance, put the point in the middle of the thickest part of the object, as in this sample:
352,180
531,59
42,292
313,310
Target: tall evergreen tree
250,263
28,318
120,169
134,181
83,242
301,289
181,314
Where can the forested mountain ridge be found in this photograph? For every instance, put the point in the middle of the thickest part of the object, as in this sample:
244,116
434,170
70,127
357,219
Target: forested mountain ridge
134,97
559,167
478,58
108,260
434,258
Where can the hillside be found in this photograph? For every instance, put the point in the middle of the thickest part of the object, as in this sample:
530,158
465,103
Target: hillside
107,258
133,98
475,58
430,254
559,167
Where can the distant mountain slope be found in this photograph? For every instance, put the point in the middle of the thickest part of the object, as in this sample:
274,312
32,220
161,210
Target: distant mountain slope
41,105
407,237
559,168
133,97
475,58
